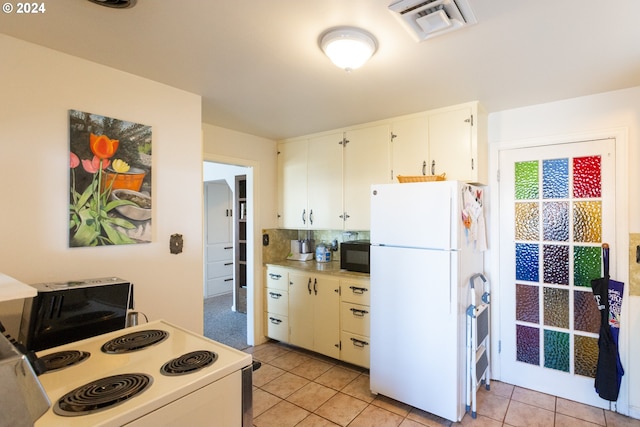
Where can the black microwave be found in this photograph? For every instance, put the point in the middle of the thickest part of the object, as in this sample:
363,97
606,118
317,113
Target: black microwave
64,312
355,255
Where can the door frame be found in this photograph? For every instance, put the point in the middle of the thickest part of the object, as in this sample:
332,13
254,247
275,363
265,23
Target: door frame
255,294
619,253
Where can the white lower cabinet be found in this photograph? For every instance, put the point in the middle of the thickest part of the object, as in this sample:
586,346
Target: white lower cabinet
354,349
277,304
325,313
355,315
314,312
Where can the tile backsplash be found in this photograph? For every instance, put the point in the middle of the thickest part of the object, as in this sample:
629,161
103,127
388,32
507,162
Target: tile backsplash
280,241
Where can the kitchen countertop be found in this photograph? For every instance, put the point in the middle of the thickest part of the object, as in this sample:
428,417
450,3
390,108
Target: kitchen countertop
330,268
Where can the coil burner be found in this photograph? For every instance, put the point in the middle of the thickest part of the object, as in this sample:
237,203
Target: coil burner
188,363
102,394
63,359
134,341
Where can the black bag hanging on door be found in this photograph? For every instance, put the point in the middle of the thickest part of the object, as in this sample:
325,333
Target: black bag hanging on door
609,368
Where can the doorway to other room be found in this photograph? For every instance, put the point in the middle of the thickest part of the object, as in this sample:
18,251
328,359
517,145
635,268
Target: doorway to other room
227,216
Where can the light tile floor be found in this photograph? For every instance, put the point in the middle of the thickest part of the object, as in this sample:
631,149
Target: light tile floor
294,387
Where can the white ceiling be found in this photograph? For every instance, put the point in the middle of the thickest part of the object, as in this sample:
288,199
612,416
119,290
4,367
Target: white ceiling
259,70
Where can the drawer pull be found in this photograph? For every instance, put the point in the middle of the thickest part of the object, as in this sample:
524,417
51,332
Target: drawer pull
275,321
357,290
274,295
228,247
228,263
358,312
229,279
275,276
358,343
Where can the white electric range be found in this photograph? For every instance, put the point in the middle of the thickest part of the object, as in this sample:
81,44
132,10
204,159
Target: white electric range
154,374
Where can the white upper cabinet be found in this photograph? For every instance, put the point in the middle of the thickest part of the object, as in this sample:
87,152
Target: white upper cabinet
409,145
324,182
458,143
324,185
310,181
366,162
292,183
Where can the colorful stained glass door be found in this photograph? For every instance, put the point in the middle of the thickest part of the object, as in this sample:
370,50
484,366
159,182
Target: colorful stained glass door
556,209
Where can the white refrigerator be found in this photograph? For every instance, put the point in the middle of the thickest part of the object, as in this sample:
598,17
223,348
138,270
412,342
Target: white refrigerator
427,240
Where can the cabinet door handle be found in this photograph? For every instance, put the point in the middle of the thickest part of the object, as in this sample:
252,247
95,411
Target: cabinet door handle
228,247
304,216
275,276
357,312
311,216
357,290
275,295
315,286
229,279
309,286
424,167
358,343
228,263
275,321
433,167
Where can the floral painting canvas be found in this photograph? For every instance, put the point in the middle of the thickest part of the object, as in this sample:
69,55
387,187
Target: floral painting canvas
110,181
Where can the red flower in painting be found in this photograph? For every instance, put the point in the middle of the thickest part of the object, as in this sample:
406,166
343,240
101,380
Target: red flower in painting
102,146
93,165
74,161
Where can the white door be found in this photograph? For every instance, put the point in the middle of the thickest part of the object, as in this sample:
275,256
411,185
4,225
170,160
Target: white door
557,207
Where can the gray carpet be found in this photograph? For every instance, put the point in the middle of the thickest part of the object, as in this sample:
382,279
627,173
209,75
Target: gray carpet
224,325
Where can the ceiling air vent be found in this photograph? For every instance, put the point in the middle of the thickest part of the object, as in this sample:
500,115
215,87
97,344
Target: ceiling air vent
429,18
120,4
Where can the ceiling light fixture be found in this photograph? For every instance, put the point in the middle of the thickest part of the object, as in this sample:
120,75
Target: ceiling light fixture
348,47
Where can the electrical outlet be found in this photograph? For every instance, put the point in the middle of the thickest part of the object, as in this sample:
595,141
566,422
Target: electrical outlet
265,240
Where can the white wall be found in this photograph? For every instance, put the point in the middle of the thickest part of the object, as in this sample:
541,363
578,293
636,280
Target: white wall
39,86
608,113
228,146
218,171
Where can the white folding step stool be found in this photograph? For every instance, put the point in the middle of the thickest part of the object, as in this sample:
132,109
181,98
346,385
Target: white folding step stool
478,343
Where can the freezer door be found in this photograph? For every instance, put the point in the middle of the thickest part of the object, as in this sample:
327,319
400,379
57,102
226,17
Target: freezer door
413,215
416,339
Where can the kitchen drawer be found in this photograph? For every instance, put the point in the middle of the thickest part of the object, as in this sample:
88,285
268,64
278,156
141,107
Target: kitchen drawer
219,286
355,291
219,252
277,301
354,349
355,318
278,327
278,278
220,269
